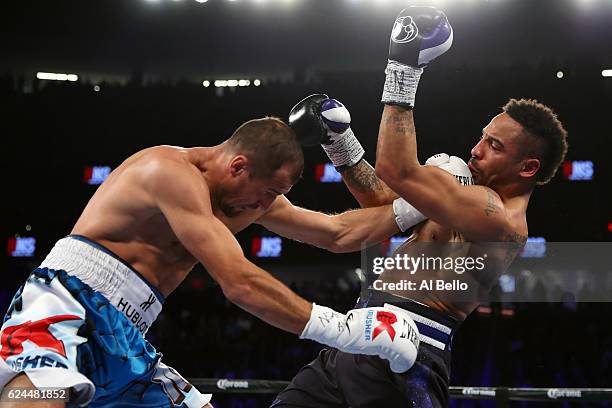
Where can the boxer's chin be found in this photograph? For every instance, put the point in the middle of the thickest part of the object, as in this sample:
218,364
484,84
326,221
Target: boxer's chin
477,179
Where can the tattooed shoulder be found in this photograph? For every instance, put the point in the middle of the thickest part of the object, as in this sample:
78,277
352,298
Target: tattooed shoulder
492,207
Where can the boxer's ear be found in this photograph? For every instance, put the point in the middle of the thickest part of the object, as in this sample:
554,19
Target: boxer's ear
530,167
239,166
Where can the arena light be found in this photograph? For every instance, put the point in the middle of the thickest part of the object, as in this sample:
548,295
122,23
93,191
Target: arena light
327,173
606,73
507,283
20,247
578,170
201,1
222,83
95,175
257,82
96,88
559,74
535,247
52,76
206,84
267,247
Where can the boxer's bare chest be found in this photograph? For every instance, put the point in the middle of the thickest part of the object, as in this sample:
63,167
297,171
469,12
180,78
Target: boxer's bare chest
140,234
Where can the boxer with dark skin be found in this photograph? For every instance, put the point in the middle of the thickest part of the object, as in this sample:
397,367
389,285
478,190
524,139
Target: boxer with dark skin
520,148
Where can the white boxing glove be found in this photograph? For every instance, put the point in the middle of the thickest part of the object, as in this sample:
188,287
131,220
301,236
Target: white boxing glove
387,332
454,165
406,216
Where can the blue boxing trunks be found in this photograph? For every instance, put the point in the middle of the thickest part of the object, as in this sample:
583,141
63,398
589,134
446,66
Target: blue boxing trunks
79,322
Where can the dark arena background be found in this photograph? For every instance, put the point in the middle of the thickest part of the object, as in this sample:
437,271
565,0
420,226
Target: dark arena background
83,85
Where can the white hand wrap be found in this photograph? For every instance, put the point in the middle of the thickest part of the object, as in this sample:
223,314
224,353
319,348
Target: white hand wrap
344,150
406,216
389,333
401,84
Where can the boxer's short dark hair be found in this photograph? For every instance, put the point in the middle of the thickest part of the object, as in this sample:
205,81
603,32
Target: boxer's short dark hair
269,144
546,138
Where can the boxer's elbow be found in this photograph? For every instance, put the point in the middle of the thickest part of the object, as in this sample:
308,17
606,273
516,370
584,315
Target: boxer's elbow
395,174
341,239
234,280
238,292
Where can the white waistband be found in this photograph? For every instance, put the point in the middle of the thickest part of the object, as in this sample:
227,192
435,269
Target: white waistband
109,276
427,322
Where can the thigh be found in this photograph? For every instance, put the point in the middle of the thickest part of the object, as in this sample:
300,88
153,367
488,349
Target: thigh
162,386
368,382
314,386
22,382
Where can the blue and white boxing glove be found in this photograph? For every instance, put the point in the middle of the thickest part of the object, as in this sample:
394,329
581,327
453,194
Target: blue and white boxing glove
387,332
419,35
319,119
342,148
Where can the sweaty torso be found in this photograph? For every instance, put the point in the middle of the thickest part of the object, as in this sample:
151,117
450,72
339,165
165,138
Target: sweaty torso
433,240
124,217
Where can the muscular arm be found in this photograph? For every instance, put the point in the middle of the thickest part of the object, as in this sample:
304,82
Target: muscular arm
345,232
183,197
366,187
477,212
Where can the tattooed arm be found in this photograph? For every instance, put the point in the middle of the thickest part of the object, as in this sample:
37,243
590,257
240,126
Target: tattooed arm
477,212
366,187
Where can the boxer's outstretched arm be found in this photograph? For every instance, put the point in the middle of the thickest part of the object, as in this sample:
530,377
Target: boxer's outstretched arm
345,232
183,197
477,212
366,187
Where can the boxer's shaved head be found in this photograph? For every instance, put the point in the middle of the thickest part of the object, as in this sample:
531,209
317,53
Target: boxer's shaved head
544,135
269,144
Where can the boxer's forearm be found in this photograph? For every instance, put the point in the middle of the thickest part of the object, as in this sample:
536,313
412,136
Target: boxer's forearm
396,154
264,296
345,232
366,187
360,228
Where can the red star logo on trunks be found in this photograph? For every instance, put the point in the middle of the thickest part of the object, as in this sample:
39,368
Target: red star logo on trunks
37,332
386,320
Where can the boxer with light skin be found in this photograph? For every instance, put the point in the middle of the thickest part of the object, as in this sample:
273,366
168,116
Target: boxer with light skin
520,148
163,210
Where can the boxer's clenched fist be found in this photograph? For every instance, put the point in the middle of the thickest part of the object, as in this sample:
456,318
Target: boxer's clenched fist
386,332
454,165
317,119
419,35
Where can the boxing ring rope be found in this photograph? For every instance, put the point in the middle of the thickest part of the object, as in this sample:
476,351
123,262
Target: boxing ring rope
500,394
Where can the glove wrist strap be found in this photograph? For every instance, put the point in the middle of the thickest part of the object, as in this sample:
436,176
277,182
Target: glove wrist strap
406,216
318,326
400,84
345,150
